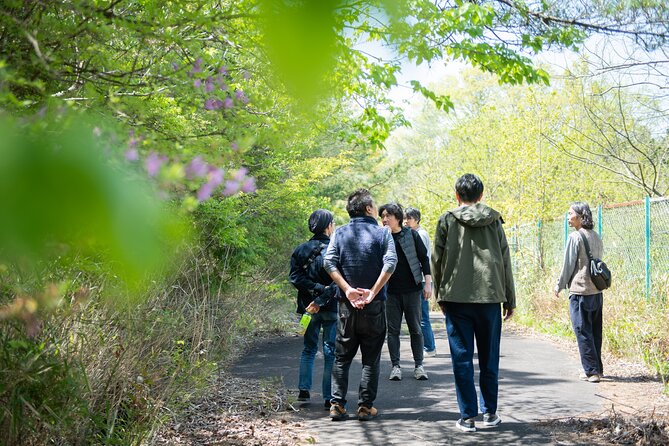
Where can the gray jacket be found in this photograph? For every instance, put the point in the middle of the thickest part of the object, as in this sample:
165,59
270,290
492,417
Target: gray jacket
575,273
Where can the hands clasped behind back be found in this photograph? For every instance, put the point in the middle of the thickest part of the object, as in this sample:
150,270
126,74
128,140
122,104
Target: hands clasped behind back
359,297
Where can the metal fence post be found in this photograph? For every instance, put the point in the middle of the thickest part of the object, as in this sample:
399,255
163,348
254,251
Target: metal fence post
540,252
566,229
647,215
599,221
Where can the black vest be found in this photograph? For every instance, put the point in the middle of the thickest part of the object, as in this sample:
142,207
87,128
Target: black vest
407,242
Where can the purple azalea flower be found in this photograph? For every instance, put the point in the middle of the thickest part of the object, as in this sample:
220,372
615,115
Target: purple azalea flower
197,168
249,185
213,104
231,188
221,83
197,83
223,70
216,177
240,175
247,75
234,146
133,141
175,66
197,66
131,154
204,193
228,103
209,85
153,163
241,97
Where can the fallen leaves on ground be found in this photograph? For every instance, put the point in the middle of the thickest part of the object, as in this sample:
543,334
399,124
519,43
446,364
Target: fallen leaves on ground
236,412
611,429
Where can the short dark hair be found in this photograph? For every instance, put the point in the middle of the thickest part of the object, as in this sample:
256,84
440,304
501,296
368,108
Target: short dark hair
583,210
358,202
412,213
394,209
469,187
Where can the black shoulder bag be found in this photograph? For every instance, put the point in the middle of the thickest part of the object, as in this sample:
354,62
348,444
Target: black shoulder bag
599,272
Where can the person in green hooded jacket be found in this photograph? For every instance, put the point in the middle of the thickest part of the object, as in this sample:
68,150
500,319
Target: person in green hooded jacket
472,276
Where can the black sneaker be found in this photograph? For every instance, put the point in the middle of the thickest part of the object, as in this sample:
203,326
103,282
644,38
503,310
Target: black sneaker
303,396
467,425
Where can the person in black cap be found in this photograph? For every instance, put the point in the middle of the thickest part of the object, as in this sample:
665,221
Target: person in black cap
315,295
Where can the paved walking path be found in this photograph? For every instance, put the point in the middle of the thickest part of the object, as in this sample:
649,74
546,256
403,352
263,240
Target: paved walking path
537,382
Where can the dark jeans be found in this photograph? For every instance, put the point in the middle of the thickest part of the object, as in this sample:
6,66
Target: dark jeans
328,321
408,304
586,319
426,326
465,323
364,329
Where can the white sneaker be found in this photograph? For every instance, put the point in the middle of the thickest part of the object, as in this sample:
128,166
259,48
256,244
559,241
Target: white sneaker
491,419
419,373
396,374
467,425
430,354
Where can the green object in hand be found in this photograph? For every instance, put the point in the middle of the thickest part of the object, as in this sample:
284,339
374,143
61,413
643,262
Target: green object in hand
304,322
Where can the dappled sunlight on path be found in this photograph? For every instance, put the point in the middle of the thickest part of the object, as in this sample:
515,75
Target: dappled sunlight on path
537,382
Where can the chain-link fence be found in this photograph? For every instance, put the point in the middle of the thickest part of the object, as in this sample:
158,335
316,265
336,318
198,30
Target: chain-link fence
636,245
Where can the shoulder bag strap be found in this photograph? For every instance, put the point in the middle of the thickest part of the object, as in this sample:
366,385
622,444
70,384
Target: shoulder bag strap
586,244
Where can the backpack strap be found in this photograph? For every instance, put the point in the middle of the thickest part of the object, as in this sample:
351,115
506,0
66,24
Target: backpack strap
314,253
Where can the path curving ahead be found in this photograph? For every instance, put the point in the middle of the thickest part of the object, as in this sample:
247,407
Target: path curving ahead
537,382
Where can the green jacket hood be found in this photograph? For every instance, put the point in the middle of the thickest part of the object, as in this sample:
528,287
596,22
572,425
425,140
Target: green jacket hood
476,215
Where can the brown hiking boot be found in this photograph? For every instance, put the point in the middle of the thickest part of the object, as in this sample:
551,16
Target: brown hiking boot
337,412
367,413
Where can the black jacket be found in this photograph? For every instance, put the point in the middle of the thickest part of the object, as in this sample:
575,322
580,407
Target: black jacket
313,283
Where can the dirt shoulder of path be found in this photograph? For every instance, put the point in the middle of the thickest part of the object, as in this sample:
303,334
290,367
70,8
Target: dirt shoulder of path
635,407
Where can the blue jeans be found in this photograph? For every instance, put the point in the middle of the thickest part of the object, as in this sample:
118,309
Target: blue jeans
464,323
426,326
327,320
586,320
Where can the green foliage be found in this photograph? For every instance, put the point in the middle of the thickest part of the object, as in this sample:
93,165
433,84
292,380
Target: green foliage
38,392
281,90
300,39
56,188
505,135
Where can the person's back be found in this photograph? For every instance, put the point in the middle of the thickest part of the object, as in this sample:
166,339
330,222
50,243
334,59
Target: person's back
477,266
472,276
361,245
360,259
